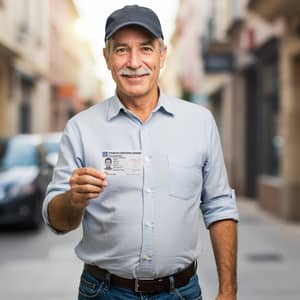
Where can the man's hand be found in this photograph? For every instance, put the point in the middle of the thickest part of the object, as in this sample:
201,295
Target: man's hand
66,210
86,184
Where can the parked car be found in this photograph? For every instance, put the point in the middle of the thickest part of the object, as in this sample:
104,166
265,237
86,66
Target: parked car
24,176
51,145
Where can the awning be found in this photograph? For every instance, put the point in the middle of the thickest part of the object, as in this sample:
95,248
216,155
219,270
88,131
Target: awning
66,91
213,83
270,10
6,51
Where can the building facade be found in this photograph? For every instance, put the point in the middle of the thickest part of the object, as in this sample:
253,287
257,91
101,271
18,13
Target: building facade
74,83
47,70
24,96
285,106
182,74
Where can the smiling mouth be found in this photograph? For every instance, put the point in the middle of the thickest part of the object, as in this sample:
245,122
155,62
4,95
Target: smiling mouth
135,76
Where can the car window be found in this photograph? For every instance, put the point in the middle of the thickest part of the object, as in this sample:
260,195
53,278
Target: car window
51,147
51,142
20,154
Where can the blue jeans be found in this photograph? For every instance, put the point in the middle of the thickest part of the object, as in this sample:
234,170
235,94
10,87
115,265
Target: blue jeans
93,289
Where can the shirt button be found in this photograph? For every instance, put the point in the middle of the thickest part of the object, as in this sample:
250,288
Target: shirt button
149,224
147,159
148,190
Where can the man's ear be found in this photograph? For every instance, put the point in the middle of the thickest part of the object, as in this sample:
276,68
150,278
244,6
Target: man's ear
106,56
163,56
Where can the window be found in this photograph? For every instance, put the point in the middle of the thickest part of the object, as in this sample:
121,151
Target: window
271,141
24,23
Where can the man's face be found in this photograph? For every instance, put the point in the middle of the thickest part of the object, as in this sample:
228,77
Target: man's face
107,163
135,60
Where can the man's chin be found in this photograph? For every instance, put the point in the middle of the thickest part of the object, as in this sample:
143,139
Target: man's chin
134,93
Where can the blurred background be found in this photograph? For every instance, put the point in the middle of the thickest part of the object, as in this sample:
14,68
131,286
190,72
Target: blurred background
239,58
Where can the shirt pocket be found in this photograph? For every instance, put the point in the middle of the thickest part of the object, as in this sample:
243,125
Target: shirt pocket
184,178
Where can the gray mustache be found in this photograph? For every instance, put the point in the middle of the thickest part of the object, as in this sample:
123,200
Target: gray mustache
138,72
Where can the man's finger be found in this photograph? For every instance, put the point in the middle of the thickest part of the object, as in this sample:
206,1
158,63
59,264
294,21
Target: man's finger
91,172
92,195
88,179
88,188
83,198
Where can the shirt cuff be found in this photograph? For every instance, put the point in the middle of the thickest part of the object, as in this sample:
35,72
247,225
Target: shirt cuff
46,202
220,208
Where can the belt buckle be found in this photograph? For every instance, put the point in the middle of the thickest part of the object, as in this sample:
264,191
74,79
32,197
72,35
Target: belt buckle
137,286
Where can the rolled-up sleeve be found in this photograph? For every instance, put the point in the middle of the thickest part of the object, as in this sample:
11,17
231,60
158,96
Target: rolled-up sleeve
69,159
218,201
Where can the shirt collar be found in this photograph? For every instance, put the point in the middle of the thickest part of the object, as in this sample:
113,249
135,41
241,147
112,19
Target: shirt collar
114,108
164,104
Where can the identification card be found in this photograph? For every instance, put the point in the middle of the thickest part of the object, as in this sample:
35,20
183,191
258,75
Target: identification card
122,163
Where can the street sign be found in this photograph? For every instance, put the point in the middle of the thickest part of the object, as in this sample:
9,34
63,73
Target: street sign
218,62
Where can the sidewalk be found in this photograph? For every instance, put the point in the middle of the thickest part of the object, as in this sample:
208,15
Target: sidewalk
268,260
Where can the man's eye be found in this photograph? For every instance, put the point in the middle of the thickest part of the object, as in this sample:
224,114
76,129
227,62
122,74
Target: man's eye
120,50
147,49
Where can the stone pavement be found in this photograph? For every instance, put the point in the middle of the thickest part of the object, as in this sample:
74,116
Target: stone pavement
268,260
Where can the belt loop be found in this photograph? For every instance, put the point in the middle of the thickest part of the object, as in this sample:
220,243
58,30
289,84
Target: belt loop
172,283
107,280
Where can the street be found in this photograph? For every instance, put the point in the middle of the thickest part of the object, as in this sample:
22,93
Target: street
43,266
268,260
38,266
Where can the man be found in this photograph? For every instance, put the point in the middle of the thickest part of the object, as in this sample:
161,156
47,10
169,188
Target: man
108,162
141,222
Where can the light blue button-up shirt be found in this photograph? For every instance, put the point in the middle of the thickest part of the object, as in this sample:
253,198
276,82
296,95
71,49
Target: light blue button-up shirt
147,226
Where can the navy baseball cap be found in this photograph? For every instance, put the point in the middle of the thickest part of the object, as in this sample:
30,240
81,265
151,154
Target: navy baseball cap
133,15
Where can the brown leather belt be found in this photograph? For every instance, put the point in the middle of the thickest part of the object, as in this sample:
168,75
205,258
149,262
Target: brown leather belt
157,285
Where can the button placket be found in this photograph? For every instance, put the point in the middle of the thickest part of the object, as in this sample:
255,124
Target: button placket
147,228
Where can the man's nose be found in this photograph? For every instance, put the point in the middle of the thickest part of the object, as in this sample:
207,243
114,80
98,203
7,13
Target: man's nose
134,60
